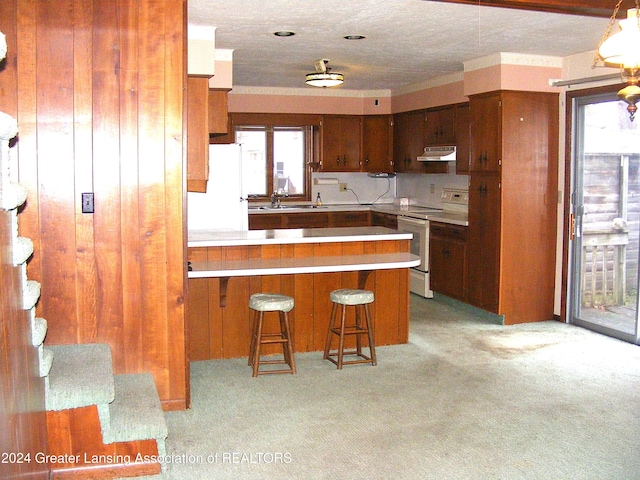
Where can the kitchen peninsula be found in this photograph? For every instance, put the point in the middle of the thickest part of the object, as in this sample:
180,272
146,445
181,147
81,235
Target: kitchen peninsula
307,264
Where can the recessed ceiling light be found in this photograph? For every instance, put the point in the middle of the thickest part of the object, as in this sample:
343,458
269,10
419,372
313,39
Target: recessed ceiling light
284,33
354,37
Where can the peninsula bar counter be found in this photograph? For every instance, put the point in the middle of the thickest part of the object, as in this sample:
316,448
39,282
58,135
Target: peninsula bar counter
306,264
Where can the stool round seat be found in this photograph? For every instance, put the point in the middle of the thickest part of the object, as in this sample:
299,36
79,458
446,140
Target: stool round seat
270,302
348,296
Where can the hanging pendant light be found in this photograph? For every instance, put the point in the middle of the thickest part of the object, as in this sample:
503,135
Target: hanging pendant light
323,77
622,49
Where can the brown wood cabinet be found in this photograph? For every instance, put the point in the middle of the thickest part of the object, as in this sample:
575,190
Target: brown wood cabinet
350,219
409,143
218,108
484,241
486,136
377,143
316,219
341,141
380,219
197,134
439,126
513,204
448,259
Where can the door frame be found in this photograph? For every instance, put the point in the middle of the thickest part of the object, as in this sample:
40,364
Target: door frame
570,100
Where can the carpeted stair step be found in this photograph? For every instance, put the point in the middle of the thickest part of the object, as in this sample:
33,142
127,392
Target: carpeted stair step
81,375
136,413
38,330
45,357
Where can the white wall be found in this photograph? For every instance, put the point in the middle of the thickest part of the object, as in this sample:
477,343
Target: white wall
425,189
362,189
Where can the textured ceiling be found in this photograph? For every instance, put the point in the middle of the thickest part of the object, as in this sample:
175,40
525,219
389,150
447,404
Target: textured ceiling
407,41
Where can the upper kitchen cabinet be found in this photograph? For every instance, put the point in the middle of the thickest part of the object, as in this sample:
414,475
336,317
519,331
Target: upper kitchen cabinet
486,140
377,143
197,134
439,126
341,138
463,139
218,108
409,143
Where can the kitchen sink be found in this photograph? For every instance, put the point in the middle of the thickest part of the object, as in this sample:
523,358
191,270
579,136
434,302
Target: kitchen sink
288,207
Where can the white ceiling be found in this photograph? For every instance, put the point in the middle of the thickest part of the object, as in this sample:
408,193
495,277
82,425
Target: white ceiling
407,41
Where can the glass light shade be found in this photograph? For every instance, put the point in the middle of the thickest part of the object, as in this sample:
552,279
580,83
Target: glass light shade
623,48
324,79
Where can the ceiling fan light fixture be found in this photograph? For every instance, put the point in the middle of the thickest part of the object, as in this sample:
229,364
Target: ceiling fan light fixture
622,49
323,77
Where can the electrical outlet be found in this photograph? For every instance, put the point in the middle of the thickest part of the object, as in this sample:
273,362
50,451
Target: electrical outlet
87,203
343,187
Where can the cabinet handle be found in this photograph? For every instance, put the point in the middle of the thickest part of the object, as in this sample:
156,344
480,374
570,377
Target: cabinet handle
366,159
338,160
344,159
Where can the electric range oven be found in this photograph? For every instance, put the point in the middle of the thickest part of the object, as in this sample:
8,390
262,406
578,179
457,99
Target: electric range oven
416,221
419,275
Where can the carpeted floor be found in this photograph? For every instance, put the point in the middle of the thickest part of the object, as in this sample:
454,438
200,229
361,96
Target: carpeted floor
465,399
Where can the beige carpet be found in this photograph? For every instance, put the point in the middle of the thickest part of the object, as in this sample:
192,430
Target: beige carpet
465,399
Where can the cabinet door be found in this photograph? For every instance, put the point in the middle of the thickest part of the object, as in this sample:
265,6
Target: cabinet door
409,135
377,143
463,139
265,221
379,219
349,219
439,126
218,109
306,220
448,260
341,138
197,134
484,241
486,133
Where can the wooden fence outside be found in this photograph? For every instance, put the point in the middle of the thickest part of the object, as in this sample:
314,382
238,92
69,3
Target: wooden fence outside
610,228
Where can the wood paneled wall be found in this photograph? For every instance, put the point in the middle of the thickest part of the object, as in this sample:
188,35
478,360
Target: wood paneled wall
97,88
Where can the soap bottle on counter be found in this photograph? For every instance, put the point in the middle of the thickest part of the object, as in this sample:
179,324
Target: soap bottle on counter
318,200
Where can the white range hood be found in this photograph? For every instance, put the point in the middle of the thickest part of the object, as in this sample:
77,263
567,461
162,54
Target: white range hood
438,154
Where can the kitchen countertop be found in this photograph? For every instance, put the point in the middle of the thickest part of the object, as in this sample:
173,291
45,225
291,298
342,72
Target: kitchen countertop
415,211
215,238
343,207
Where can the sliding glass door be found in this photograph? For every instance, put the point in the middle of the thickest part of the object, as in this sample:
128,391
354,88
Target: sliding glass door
606,209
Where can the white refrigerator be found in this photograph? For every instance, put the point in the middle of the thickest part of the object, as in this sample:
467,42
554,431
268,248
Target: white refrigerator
224,206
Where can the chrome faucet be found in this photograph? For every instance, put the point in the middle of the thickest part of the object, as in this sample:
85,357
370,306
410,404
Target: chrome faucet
276,196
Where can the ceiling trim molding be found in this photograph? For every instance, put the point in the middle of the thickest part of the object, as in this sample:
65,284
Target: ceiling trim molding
506,58
430,83
310,92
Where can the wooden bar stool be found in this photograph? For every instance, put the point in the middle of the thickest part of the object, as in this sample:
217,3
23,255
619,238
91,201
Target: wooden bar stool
361,300
271,302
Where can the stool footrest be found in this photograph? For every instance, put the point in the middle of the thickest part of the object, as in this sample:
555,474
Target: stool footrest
273,340
351,330
363,358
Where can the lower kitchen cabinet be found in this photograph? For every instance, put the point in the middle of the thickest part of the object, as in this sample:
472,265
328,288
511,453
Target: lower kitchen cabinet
448,259
317,219
349,219
379,219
